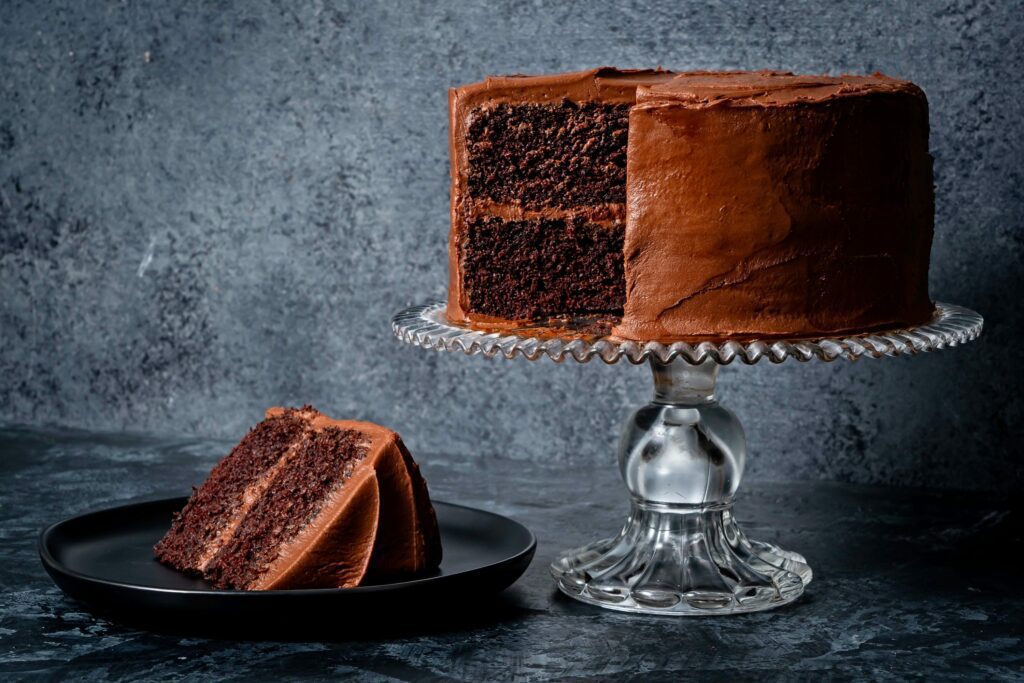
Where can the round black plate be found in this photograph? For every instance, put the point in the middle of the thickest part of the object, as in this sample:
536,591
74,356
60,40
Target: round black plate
105,559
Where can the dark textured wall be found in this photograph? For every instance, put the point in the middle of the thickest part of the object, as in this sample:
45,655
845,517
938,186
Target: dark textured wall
207,209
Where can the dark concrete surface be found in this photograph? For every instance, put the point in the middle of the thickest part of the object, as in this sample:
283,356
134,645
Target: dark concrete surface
908,583
210,208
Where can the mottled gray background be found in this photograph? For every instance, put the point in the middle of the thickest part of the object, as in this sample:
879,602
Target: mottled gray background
210,208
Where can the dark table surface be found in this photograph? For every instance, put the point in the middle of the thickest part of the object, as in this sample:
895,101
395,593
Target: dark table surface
906,583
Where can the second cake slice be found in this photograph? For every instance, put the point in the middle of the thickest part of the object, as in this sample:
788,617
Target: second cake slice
305,501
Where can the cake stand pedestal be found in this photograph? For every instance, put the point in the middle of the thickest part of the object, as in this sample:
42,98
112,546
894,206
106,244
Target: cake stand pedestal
680,551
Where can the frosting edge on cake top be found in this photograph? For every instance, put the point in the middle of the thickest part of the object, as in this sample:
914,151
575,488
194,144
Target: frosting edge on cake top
766,88
605,83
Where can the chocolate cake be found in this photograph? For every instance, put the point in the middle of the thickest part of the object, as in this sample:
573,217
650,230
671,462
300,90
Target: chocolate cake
305,501
755,203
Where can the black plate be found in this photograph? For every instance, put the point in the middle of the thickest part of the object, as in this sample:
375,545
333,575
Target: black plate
105,559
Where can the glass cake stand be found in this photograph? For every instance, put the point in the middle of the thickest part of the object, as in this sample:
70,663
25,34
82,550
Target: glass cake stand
681,456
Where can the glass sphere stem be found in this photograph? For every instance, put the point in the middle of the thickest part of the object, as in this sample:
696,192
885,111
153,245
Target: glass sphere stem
682,451
680,383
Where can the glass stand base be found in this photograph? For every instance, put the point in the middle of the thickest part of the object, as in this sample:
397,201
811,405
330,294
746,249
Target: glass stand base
682,561
681,552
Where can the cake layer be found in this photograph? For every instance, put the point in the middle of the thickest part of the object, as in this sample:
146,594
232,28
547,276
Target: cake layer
766,204
563,155
213,512
535,268
306,501
299,491
542,154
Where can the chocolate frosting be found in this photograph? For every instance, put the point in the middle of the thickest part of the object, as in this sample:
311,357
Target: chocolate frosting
766,89
605,84
767,204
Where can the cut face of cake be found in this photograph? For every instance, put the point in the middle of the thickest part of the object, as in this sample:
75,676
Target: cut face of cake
697,205
305,501
538,194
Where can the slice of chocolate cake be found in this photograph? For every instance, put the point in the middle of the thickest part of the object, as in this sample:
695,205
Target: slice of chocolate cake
538,194
305,501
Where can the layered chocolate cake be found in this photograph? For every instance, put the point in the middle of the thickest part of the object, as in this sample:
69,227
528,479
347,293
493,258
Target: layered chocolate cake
305,501
756,203
538,194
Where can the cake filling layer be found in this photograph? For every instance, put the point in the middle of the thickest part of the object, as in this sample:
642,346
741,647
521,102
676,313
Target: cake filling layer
543,267
560,155
213,510
294,498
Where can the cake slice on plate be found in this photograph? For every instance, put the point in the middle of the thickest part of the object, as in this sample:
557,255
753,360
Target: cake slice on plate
306,501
